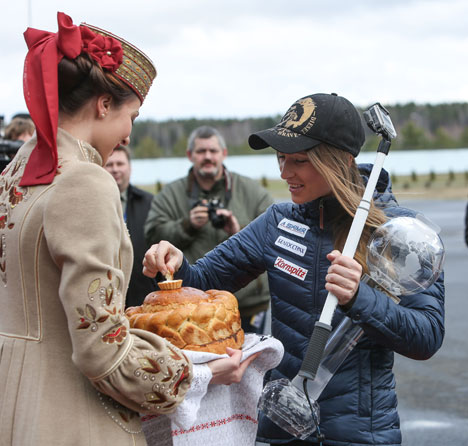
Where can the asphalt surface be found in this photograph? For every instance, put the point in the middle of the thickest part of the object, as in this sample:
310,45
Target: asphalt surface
433,394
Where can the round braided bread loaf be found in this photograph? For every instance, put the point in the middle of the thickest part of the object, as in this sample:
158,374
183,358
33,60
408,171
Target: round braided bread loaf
191,319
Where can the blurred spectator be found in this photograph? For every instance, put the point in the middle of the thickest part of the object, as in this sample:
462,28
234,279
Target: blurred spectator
20,129
21,115
135,205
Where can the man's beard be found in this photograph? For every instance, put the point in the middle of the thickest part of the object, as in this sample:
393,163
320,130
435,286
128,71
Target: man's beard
209,175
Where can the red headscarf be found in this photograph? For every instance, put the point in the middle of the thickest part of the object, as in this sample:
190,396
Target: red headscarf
40,84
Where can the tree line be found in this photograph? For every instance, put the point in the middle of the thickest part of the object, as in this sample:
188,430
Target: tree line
419,126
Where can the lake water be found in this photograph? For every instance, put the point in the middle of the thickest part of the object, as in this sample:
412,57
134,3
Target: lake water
400,162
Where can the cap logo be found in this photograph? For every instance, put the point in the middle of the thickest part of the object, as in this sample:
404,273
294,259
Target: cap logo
299,119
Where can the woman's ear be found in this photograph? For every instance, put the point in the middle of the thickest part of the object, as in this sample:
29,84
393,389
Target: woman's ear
350,159
103,105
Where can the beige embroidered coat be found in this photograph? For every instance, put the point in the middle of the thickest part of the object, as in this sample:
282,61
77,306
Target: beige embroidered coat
65,260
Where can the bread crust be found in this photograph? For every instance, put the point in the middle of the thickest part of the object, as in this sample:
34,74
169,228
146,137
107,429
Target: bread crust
191,319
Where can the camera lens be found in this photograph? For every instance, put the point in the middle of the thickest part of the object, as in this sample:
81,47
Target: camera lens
217,221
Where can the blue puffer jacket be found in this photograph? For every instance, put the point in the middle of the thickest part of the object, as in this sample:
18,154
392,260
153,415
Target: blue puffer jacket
290,242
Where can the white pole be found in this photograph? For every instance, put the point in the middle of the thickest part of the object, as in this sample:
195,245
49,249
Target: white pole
355,231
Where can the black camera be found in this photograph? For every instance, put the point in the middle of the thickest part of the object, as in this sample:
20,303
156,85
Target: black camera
8,149
217,221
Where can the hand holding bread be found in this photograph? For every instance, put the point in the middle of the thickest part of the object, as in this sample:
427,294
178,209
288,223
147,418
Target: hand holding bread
230,370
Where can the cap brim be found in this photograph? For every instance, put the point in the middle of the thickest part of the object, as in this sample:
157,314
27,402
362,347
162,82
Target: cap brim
292,143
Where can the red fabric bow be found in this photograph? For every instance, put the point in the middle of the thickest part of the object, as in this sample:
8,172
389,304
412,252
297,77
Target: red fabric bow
40,85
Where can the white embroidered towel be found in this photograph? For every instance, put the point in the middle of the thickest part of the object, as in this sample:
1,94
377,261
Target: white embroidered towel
224,415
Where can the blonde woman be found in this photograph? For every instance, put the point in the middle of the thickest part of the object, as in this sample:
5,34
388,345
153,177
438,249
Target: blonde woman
299,245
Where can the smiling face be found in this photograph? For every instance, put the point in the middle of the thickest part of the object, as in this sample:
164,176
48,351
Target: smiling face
304,181
207,157
115,126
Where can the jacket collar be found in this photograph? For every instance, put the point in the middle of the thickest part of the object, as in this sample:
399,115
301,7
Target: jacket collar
71,148
134,191
311,210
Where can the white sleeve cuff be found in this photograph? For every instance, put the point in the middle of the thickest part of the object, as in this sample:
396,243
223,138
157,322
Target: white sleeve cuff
186,413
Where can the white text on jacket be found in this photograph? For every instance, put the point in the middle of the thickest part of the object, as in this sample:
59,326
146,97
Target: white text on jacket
291,245
293,227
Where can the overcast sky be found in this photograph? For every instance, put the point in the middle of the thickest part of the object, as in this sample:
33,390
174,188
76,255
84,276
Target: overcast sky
245,58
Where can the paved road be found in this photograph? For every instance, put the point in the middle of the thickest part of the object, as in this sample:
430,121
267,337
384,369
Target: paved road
433,394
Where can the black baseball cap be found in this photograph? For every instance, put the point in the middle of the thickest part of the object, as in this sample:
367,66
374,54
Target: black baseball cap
312,120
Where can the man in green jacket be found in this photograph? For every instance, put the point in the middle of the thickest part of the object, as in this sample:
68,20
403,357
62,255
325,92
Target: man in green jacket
204,208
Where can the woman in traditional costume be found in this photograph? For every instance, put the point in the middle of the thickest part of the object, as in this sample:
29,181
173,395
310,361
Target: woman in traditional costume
71,370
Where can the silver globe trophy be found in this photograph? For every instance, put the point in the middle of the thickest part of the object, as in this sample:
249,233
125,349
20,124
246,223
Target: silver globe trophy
405,256
293,405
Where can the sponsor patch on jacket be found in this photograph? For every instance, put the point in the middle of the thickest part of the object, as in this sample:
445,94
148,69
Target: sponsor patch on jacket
293,227
291,246
290,268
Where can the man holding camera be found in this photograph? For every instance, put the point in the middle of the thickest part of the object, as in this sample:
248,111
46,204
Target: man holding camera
204,208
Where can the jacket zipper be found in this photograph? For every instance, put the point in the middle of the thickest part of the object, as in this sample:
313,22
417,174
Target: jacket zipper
321,213
317,253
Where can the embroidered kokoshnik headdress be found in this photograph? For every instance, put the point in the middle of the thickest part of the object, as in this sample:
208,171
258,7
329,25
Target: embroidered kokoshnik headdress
136,68
40,81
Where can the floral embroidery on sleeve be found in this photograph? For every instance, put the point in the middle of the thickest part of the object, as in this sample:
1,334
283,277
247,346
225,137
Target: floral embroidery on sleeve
171,375
116,334
104,294
88,318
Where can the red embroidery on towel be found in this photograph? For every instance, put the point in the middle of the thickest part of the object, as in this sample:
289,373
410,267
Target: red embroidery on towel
209,424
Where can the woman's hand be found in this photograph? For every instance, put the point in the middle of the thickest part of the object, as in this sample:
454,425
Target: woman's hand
230,370
343,277
162,257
